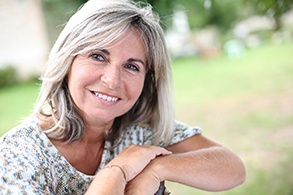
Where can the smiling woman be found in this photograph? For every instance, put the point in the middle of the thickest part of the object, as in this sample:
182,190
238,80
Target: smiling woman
108,83
104,120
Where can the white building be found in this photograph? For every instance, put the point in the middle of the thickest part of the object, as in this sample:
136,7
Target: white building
23,37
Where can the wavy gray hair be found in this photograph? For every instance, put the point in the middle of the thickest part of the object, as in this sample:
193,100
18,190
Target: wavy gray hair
97,24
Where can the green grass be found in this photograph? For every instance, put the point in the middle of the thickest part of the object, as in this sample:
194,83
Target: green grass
257,71
243,103
16,102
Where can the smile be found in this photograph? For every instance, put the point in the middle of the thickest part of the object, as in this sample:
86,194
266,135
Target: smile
105,97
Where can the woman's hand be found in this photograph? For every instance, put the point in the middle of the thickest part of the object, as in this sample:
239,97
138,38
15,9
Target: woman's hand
146,182
134,159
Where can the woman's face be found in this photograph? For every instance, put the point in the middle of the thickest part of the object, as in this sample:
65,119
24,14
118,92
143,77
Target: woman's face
105,83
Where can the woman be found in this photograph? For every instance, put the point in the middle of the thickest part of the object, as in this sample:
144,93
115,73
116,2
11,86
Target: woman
103,122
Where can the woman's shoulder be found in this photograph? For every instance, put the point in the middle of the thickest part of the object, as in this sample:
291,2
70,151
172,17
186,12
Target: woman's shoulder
143,134
21,149
183,131
180,128
23,159
28,132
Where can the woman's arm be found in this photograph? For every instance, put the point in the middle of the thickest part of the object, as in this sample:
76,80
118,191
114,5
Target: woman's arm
108,181
123,168
203,164
197,162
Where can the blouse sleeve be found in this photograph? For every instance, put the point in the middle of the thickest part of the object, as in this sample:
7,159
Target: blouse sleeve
183,131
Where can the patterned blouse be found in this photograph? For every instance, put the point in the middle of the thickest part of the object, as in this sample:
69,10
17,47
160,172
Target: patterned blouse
30,164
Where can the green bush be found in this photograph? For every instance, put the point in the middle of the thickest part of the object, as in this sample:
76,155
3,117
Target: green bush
8,76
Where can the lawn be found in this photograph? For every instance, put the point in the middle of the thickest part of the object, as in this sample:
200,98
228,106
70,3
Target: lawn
247,105
16,102
244,103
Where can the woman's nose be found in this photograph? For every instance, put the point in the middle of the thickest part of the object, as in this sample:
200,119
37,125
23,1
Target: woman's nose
111,76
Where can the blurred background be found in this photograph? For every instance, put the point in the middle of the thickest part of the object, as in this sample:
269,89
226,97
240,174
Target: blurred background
233,75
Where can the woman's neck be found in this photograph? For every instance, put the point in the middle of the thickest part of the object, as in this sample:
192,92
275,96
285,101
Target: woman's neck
85,154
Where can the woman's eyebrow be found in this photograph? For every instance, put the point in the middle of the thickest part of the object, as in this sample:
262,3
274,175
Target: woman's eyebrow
107,52
136,60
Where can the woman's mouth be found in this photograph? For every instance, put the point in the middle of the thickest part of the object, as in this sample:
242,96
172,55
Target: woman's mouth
105,97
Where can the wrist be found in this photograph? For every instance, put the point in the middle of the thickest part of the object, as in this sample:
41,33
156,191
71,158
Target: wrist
159,168
105,179
120,168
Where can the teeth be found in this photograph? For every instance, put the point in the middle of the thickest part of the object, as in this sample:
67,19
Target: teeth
105,97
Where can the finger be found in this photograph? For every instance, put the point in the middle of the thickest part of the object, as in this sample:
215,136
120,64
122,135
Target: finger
162,151
134,159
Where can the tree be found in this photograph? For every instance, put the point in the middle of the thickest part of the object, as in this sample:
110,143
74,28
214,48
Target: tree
272,8
201,13
220,13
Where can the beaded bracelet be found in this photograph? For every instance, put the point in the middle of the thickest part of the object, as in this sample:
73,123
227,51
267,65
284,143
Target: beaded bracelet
123,172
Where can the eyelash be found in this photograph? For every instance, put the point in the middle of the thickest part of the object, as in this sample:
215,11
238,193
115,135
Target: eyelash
132,67
98,56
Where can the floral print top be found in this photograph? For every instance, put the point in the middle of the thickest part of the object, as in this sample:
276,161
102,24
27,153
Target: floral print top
30,164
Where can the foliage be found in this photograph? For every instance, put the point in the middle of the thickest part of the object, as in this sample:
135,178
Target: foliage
273,8
57,13
220,13
8,76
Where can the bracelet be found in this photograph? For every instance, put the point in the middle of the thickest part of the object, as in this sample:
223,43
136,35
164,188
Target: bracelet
123,172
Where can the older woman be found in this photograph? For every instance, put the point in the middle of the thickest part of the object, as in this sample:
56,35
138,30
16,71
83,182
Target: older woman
103,122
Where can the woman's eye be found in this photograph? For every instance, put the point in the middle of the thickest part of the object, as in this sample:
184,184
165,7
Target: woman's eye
132,67
97,57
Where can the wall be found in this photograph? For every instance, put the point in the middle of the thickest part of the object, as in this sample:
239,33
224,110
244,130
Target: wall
23,37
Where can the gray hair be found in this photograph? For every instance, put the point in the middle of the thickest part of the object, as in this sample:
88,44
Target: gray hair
97,24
